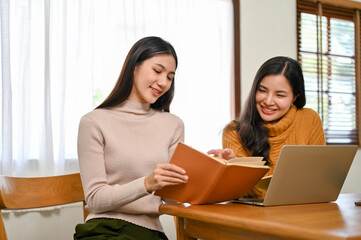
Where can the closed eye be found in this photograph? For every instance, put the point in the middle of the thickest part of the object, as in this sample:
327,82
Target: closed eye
170,77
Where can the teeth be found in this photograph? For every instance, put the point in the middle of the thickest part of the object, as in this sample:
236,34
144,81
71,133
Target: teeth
268,110
155,90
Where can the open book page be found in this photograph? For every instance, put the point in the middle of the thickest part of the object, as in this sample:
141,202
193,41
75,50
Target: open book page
245,161
217,159
249,161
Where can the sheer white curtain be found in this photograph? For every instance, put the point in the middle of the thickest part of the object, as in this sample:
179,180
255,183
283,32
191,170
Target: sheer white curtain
59,59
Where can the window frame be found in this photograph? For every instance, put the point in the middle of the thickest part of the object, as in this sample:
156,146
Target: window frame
236,84
345,10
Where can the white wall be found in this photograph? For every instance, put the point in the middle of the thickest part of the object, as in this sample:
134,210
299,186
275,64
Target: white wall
268,28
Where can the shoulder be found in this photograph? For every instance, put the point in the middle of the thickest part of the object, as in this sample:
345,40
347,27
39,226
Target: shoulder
230,132
94,115
308,114
167,120
90,126
307,111
308,118
96,119
309,121
167,116
230,128
171,124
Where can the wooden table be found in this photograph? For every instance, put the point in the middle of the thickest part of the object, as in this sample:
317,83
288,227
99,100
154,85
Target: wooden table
336,220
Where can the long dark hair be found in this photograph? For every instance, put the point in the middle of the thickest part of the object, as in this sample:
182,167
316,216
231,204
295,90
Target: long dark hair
250,126
142,50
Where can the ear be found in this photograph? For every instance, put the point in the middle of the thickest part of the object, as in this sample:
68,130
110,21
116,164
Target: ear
295,97
135,70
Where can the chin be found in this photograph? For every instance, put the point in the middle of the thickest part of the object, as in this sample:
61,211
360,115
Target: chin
151,101
268,118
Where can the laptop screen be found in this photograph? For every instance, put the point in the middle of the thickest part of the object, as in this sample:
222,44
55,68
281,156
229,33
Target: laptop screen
309,174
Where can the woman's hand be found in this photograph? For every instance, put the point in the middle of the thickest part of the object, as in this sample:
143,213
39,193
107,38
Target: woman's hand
165,174
225,154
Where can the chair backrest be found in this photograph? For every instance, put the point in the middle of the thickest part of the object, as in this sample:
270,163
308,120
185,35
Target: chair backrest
38,192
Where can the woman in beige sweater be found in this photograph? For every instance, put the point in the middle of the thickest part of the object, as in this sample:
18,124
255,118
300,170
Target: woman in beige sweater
274,116
124,146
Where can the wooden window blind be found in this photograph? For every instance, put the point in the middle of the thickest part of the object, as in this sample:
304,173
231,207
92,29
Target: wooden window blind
329,53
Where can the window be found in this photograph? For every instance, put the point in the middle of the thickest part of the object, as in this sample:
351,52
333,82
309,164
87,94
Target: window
203,39
328,51
65,57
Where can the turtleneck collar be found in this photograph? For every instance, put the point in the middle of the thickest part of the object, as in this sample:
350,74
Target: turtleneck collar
133,107
283,124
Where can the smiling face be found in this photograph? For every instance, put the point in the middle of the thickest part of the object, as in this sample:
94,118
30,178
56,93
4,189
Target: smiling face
274,97
153,78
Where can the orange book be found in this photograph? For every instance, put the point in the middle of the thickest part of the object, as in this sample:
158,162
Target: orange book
212,180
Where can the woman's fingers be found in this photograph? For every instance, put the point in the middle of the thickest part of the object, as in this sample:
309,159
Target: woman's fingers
170,173
165,175
171,167
222,153
228,154
216,152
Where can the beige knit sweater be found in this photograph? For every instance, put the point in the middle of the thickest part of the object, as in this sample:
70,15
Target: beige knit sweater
117,148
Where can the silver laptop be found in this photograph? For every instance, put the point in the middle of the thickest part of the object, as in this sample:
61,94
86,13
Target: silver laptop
307,174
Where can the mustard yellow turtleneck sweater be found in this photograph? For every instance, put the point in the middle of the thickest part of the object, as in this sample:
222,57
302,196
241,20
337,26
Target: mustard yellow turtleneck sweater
298,127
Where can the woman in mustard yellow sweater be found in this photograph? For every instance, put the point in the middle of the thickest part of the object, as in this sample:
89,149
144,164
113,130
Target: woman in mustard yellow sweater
273,116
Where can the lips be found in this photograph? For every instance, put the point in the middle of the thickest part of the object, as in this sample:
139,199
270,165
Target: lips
156,92
268,111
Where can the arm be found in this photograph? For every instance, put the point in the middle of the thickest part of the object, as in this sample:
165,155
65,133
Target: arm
232,145
231,140
168,174
317,135
99,195
178,136
228,151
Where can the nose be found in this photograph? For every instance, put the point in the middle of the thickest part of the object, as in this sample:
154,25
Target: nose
269,100
162,81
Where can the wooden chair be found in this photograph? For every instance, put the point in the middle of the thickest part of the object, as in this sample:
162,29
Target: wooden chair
38,192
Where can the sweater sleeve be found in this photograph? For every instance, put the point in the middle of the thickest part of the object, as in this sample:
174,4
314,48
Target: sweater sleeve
99,195
178,137
230,139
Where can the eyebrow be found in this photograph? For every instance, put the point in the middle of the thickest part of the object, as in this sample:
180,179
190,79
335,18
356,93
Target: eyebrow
160,65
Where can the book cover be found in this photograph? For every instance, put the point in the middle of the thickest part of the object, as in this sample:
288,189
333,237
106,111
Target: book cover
211,180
